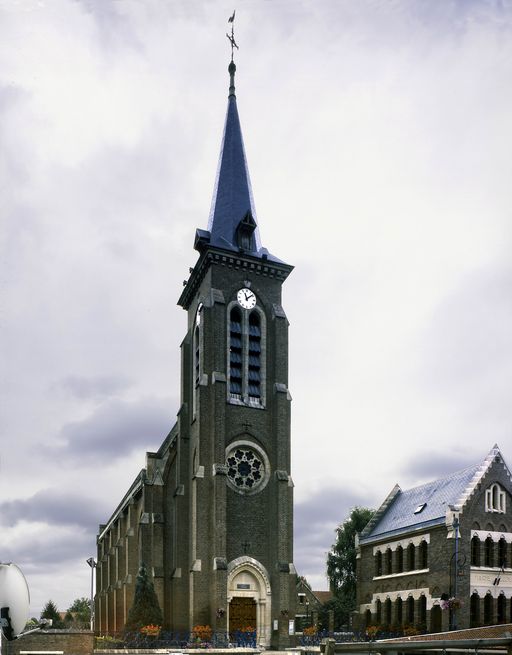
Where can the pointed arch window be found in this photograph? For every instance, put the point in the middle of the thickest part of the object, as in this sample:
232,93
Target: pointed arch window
246,356
378,611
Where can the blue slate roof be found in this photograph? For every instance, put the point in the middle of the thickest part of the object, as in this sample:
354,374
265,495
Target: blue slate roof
232,197
436,495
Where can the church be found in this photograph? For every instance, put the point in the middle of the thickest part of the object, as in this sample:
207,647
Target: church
211,513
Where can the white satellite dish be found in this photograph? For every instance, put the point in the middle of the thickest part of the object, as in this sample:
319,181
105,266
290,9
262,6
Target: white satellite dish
14,600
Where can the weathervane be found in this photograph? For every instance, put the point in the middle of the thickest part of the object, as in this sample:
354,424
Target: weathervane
231,36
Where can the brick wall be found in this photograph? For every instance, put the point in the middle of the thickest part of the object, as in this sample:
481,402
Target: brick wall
80,642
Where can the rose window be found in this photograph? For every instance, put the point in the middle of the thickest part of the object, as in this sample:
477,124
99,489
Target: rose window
245,468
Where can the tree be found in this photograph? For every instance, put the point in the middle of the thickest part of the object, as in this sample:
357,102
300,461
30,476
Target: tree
80,611
50,611
145,609
341,563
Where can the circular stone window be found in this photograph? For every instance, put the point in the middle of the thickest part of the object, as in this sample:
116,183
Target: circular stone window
248,467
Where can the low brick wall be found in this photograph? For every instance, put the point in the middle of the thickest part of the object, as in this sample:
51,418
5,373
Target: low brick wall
70,642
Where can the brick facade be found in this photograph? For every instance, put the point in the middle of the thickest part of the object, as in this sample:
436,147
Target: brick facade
402,576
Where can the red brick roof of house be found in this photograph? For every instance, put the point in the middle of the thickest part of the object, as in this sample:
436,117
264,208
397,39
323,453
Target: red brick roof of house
323,596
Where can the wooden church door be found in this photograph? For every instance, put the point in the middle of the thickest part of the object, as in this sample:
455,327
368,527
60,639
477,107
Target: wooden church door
242,614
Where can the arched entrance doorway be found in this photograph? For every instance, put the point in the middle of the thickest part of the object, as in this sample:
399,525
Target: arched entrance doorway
249,598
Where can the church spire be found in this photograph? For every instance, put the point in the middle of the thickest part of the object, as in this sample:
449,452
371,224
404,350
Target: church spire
232,223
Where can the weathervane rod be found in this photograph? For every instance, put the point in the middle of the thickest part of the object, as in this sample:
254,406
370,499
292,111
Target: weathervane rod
231,37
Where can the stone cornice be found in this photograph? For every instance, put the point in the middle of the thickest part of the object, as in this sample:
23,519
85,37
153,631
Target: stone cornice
211,256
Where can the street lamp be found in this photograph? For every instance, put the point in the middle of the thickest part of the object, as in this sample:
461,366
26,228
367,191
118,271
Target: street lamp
92,563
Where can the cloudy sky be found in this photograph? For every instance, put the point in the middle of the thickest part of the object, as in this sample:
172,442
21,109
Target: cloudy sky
379,140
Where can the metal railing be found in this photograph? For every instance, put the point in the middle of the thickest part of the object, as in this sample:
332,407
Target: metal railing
174,639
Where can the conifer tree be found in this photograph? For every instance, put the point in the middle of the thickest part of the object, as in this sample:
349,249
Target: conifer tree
50,611
145,609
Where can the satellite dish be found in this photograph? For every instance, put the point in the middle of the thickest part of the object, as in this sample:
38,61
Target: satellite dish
14,600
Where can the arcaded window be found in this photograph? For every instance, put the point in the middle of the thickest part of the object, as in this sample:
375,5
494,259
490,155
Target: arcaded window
489,552
410,610
495,499
378,611
501,608
411,557
387,612
422,611
423,555
474,610
502,552
389,561
399,611
475,551
399,559
488,603
378,563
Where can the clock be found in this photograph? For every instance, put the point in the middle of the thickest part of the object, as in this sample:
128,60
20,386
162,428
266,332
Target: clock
246,298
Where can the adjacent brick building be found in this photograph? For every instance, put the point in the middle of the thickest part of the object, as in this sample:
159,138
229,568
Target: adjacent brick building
211,514
451,538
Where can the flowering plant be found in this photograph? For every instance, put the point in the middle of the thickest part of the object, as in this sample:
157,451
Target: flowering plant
201,633
248,629
451,604
310,631
150,630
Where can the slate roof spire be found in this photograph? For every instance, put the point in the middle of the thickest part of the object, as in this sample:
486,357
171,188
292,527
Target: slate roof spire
232,197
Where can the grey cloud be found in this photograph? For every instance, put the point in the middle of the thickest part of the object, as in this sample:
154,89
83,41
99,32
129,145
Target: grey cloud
426,466
54,507
94,387
116,429
471,331
44,553
316,520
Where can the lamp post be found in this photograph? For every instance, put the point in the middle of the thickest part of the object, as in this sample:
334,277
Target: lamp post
455,571
92,563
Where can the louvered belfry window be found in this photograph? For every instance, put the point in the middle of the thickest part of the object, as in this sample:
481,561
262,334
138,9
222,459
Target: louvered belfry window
246,356
254,369
235,353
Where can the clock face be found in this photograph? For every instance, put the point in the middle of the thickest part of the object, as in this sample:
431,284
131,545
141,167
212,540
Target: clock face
246,298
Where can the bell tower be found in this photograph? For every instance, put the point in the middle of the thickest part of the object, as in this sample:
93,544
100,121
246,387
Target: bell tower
233,501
